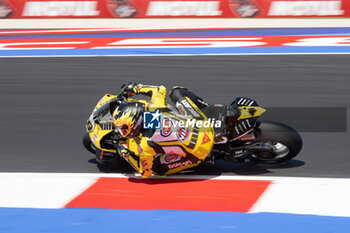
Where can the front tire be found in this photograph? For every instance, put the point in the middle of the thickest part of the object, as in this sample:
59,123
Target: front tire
88,143
286,142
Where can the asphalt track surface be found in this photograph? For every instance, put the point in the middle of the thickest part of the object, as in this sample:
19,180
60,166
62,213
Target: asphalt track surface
44,103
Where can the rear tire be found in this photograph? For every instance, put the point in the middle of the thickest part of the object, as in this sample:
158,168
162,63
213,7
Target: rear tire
88,143
285,139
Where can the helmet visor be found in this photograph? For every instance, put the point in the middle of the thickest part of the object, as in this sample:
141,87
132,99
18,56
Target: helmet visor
123,130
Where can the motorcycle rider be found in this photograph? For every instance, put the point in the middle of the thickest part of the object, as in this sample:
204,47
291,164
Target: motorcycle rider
173,146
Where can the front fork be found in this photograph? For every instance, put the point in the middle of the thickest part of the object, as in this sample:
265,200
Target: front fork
103,157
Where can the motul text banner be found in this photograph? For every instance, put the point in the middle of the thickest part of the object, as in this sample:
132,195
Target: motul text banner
172,8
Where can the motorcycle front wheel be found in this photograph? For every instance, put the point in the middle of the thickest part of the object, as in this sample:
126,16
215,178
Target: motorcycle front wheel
88,143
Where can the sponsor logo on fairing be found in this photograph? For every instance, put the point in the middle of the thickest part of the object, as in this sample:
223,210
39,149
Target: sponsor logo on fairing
206,138
94,138
190,108
170,158
166,128
181,109
179,164
60,8
305,8
184,8
183,134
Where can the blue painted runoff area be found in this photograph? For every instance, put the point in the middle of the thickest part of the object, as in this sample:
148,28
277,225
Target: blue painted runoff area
25,220
197,33
177,51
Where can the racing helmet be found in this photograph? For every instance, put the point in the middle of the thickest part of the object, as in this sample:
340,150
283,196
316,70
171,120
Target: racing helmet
128,119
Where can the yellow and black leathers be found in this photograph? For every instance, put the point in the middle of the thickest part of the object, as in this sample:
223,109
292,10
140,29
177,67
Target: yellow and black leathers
173,147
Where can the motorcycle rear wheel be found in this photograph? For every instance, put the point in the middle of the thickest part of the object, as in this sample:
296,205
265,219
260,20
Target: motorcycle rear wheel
286,142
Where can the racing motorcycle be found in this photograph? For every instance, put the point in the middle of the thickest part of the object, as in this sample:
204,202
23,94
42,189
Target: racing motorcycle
240,138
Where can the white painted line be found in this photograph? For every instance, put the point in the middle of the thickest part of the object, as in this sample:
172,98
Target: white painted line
308,196
171,23
85,30
40,191
60,30
167,55
297,195
3,175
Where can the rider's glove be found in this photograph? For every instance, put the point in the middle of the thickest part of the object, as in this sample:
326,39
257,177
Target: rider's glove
130,88
123,150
